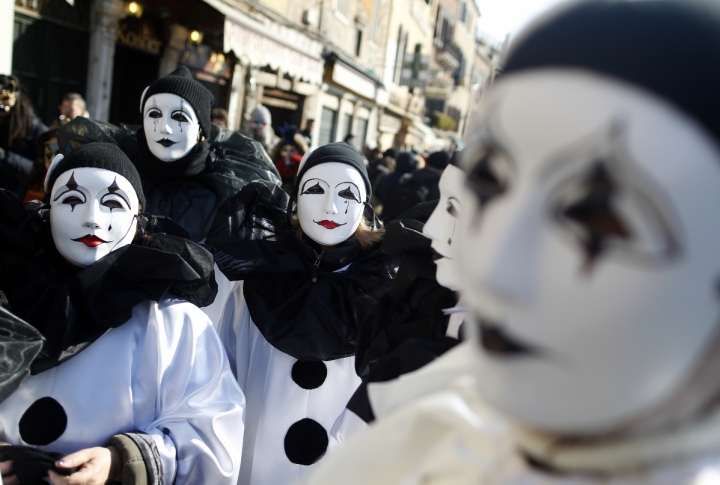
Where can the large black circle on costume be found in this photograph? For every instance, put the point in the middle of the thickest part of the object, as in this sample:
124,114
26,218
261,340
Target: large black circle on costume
309,374
43,422
306,442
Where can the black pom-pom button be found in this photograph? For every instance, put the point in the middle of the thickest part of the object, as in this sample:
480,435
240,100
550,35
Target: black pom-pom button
306,442
309,374
43,422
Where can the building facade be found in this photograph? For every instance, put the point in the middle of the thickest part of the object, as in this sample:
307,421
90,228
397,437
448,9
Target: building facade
382,70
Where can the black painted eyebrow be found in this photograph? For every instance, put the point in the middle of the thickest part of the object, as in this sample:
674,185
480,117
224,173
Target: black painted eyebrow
302,189
348,182
71,185
152,108
116,190
183,111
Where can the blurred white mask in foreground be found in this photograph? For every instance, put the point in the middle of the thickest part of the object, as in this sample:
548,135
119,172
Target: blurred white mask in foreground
441,227
171,126
589,250
330,202
92,212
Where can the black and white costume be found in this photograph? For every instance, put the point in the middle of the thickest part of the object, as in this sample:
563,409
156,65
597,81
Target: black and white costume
291,333
128,357
408,327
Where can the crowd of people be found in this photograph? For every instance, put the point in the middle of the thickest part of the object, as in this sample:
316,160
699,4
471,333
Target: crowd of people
183,303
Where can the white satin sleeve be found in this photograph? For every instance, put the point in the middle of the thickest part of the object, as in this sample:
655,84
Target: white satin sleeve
198,407
225,291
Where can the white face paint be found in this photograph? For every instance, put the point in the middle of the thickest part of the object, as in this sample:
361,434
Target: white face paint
588,249
171,126
92,212
441,227
330,202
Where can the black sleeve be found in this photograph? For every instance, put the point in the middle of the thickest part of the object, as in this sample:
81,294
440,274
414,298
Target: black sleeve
17,164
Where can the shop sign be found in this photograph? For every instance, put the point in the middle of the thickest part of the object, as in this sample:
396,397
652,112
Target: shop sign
349,79
141,38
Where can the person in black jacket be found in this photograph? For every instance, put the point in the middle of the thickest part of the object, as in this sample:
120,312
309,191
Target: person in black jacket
19,130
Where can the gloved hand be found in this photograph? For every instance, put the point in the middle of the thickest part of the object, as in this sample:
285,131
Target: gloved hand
30,465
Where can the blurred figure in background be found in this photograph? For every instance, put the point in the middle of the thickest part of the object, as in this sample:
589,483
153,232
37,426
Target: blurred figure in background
48,148
307,132
219,116
377,170
351,140
72,106
19,131
404,166
420,186
263,132
290,153
429,175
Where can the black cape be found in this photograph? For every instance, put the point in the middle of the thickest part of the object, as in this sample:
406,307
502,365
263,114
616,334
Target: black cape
72,307
19,345
191,190
407,328
296,299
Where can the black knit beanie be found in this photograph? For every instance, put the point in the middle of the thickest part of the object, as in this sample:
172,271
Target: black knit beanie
181,82
107,156
339,152
670,48
438,160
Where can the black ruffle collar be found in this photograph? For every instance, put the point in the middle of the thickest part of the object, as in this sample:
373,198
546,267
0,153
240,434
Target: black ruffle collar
72,307
296,296
190,165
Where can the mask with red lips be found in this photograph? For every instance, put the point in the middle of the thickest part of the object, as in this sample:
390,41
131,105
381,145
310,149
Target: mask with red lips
330,202
93,211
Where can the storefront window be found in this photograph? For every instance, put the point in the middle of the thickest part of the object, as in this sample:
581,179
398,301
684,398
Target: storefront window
327,126
361,133
347,124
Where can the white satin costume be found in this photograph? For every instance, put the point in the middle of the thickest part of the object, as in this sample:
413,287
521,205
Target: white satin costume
164,372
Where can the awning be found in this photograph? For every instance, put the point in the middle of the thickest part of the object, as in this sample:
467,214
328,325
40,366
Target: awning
264,42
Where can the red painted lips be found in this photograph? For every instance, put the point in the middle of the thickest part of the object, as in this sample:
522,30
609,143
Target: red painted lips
90,241
329,224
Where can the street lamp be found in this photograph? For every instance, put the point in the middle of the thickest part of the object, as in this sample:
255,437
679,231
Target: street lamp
195,36
134,9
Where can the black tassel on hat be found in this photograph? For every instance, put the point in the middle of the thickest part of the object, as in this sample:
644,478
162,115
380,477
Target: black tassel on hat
181,83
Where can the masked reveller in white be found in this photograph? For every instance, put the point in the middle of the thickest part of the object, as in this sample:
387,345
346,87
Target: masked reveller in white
441,227
418,320
588,257
95,212
132,383
171,126
188,165
309,280
330,203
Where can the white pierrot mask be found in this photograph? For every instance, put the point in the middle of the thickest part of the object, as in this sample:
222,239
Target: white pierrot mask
330,202
93,211
171,126
588,250
441,227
